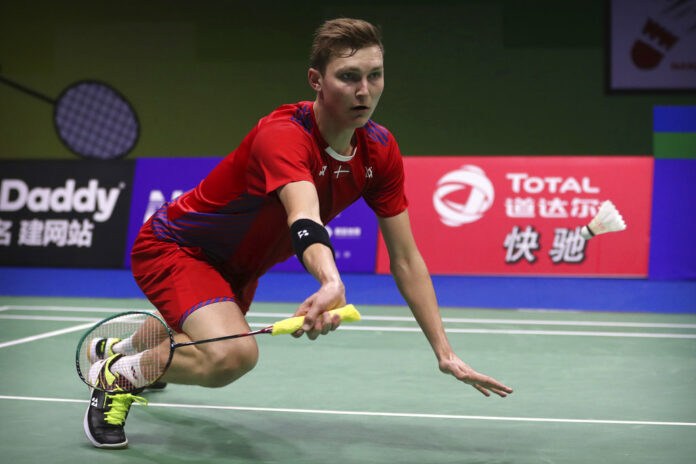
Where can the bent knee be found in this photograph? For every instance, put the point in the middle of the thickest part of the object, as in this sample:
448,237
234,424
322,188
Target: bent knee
230,361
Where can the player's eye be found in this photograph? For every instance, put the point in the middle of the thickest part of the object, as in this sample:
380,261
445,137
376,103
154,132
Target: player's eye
349,76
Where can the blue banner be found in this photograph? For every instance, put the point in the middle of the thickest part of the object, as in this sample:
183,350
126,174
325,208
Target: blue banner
674,119
672,245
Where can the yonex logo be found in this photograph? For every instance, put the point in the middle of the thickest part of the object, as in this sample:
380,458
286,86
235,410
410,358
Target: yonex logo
453,213
95,403
303,233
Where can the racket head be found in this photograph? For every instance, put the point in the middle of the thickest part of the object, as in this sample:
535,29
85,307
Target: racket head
152,339
95,121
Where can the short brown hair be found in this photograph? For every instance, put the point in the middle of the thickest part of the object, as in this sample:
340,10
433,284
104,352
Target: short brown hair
336,35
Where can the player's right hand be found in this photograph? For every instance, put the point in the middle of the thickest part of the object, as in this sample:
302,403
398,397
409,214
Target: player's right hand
314,309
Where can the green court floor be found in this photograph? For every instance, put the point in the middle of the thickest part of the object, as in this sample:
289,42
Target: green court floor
589,387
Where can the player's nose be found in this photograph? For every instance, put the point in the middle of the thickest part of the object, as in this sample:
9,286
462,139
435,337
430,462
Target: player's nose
362,89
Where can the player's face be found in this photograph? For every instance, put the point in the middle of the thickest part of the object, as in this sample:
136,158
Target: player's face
351,86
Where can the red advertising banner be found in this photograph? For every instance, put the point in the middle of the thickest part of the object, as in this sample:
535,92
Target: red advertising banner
523,215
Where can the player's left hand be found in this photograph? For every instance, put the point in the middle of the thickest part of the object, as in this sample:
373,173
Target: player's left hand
458,368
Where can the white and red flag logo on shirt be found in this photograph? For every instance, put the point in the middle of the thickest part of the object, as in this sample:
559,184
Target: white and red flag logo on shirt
341,171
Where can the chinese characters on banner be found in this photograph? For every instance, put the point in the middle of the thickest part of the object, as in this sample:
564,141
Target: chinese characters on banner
568,245
64,213
42,233
523,215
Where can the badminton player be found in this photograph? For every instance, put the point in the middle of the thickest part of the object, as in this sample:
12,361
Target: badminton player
199,258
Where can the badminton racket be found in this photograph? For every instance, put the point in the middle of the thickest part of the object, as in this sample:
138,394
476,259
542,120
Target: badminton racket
92,119
132,350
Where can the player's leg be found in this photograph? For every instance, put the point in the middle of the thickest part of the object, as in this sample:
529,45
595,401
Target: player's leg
218,363
213,364
196,301
177,283
106,414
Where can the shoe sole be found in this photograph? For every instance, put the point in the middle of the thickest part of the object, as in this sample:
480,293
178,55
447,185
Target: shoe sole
157,386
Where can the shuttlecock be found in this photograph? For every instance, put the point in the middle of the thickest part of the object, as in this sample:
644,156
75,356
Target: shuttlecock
608,219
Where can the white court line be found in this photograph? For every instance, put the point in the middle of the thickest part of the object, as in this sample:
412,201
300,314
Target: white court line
652,325
524,332
647,325
50,318
252,314
366,328
377,414
76,309
46,335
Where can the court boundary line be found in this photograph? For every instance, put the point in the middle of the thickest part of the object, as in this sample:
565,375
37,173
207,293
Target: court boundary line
377,413
567,333
76,309
46,335
366,328
50,318
659,325
382,318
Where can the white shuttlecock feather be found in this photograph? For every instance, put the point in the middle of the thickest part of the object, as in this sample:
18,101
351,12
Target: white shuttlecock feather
608,219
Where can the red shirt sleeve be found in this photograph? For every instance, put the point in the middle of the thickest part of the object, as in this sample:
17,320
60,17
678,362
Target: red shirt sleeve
280,154
387,195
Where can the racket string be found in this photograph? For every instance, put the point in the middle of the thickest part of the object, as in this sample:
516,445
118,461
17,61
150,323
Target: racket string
151,344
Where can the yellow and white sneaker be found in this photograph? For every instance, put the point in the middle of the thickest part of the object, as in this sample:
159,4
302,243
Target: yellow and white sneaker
101,348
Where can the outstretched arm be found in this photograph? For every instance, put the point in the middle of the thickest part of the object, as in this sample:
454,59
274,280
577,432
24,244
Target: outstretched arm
413,279
301,202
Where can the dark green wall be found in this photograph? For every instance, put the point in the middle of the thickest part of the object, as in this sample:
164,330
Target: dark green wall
463,78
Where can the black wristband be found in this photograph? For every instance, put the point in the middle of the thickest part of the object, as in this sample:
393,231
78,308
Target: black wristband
305,232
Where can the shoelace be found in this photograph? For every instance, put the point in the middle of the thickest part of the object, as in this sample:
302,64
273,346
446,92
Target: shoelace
120,404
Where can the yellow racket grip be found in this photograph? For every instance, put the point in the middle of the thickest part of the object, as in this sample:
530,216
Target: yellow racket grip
348,313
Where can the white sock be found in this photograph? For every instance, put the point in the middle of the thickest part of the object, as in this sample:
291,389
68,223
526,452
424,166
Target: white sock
125,346
129,366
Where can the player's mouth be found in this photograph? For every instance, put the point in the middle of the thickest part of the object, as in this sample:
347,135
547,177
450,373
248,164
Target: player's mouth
360,108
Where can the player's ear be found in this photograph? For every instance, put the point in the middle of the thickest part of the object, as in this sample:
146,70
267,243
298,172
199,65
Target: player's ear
315,79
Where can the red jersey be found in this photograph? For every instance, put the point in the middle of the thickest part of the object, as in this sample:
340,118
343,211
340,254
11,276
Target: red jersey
234,218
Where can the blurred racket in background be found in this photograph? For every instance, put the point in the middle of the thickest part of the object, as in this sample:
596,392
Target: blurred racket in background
91,118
